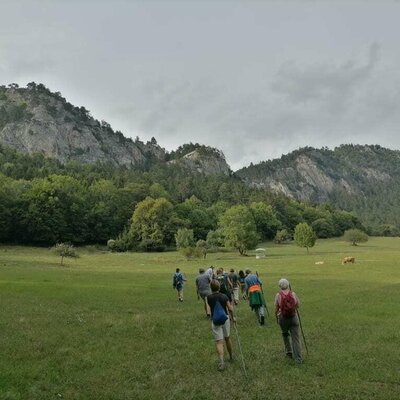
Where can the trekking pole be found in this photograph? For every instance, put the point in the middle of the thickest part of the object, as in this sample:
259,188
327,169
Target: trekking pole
301,325
240,349
265,302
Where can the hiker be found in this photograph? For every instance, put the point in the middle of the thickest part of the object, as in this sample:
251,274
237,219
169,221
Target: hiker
255,295
203,287
242,285
219,307
210,272
234,278
224,283
177,283
286,304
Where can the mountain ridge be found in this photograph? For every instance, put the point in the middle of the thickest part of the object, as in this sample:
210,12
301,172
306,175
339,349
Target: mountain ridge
351,177
36,120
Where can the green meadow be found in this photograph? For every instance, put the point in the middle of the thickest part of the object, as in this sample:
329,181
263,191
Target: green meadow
108,326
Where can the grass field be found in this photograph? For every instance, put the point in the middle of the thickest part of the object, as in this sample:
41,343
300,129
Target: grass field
108,326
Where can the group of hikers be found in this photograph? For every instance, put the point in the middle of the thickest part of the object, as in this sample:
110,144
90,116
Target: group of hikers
221,292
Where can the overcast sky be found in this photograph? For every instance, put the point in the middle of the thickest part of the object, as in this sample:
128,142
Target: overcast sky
256,79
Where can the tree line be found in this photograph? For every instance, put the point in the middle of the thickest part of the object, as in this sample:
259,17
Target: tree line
43,202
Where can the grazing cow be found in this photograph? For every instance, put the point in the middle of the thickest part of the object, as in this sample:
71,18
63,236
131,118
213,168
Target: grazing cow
348,260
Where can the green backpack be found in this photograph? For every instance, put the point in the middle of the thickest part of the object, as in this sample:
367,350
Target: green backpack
223,284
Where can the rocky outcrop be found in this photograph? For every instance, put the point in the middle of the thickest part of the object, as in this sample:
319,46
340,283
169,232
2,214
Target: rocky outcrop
207,163
323,175
35,120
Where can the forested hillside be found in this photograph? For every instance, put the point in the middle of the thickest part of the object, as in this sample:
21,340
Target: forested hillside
43,202
363,179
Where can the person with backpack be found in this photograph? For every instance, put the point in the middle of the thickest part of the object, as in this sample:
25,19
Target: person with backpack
221,311
234,278
210,272
286,305
242,285
225,283
255,295
203,289
177,283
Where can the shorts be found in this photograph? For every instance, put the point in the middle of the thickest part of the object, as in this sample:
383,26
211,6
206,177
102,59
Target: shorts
203,295
179,288
221,331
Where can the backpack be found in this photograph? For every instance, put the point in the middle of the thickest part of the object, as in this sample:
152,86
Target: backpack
219,315
223,286
177,279
288,304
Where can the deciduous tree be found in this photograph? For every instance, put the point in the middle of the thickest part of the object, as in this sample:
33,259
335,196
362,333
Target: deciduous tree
304,236
239,228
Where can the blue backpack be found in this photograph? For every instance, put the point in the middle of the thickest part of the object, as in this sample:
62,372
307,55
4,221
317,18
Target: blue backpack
219,314
178,279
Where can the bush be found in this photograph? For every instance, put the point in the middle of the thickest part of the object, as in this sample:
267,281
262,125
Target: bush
111,245
191,252
65,250
355,236
202,247
282,236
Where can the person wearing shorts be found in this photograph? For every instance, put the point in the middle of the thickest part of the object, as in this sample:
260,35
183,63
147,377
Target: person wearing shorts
203,287
221,333
234,278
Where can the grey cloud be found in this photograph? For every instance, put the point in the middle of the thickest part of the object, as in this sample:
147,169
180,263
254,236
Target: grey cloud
323,82
252,124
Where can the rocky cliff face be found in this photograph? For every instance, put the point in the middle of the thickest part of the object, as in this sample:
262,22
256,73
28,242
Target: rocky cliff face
198,161
35,120
322,175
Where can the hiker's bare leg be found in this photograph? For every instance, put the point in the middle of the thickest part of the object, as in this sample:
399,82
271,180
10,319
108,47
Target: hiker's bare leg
229,346
220,349
205,306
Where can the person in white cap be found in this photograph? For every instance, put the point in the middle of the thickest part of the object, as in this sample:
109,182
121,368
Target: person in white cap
286,304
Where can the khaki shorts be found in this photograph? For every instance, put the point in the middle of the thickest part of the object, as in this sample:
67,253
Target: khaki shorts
221,331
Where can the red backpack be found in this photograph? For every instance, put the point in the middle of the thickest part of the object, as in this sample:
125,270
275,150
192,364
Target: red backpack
288,304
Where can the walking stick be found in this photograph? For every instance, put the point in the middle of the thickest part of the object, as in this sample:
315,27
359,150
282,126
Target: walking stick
265,302
301,325
240,350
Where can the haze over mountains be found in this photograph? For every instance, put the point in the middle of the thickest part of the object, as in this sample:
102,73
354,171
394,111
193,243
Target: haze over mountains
364,178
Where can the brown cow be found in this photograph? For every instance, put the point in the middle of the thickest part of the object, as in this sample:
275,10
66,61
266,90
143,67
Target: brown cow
348,260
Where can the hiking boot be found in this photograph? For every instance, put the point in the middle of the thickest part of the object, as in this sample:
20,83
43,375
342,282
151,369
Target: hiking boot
232,358
221,366
262,320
